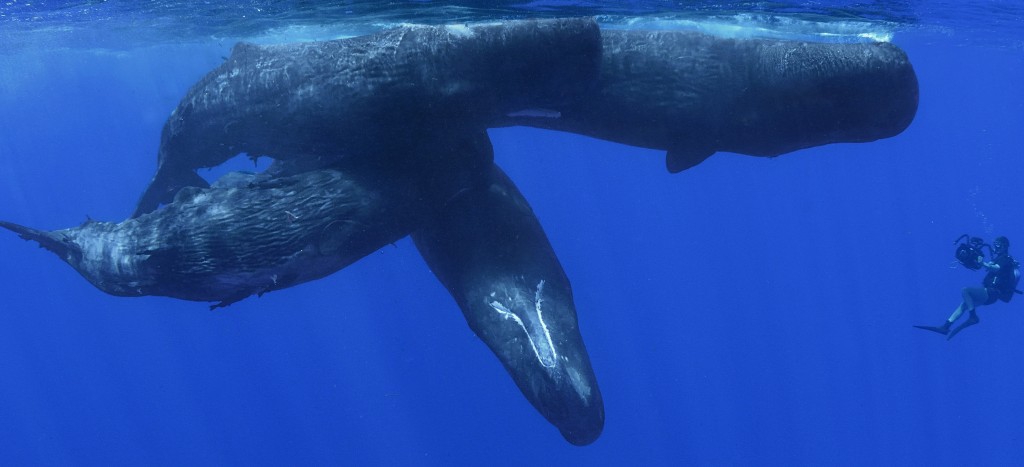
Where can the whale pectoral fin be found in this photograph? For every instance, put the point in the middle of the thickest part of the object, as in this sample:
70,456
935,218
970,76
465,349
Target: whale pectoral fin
228,301
488,249
678,160
163,188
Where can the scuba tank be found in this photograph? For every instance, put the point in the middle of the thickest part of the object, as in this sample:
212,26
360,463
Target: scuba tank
1016,277
1007,291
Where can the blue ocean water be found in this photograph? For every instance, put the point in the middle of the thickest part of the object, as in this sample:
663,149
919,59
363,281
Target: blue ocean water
747,311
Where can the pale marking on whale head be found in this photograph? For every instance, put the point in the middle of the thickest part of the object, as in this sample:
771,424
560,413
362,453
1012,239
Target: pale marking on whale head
579,383
538,332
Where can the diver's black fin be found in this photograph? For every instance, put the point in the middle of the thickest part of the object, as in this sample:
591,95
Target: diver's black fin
970,322
944,329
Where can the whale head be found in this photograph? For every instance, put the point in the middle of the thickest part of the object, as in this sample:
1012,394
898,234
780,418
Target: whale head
801,95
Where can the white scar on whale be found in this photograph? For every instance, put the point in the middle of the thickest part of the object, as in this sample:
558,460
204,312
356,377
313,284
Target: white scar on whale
546,353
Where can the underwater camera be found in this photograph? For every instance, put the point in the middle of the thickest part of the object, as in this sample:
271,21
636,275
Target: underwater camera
969,251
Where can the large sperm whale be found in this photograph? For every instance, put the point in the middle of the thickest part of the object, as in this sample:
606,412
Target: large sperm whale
379,137
689,93
366,98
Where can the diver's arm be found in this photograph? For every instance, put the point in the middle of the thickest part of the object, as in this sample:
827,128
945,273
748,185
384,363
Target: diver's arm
990,266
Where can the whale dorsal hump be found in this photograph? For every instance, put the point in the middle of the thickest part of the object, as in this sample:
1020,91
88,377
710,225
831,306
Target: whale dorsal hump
678,160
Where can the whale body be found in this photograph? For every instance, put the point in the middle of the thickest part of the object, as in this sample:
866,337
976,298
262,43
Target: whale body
366,99
382,136
489,250
689,93
693,94
247,234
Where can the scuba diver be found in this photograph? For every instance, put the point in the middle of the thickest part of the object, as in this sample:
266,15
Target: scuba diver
1000,282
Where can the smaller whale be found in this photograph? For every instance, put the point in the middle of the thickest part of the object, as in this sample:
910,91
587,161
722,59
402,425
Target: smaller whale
246,235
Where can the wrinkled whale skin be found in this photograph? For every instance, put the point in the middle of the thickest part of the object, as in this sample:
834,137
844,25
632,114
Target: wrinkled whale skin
693,94
489,250
247,234
686,92
253,233
370,97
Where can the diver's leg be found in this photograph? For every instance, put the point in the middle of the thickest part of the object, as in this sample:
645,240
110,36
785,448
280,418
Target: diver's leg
972,297
977,295
957,312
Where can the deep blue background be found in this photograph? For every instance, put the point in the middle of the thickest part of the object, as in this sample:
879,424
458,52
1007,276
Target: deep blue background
747,311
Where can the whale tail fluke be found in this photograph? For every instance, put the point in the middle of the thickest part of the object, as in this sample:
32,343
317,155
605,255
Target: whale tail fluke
53,241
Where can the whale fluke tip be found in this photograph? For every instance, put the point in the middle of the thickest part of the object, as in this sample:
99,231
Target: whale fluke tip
22,231
49,240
